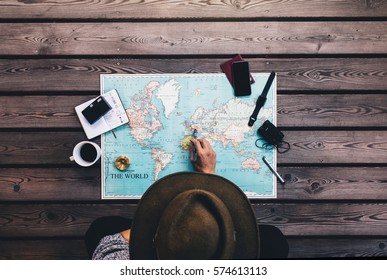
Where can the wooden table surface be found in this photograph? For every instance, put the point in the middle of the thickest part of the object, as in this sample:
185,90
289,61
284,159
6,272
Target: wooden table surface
331,61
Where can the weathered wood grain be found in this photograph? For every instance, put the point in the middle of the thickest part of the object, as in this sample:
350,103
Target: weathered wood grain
294,74
307,147
50,184
190,9
59,249
322,147
41,111
193,38
324,219
337,248
294,219
332,183
306,110
330,58
338,110
74,249
38,147
302,184
55,220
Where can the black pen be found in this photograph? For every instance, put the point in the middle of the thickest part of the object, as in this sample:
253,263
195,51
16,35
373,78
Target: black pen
272,170
195,136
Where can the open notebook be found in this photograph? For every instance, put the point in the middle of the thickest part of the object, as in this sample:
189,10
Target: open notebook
112,119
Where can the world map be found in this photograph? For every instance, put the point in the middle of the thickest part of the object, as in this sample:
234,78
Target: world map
163,112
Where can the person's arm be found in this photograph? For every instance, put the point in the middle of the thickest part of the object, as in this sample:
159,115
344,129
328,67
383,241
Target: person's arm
205,156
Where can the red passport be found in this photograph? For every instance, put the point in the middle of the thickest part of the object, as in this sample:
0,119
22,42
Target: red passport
226,68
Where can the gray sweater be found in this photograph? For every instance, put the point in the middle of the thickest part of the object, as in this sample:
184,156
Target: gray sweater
112,247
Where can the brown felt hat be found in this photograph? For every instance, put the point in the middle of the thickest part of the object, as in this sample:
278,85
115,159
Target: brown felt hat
189,215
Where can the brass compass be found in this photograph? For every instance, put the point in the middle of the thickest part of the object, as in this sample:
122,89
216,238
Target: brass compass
122,163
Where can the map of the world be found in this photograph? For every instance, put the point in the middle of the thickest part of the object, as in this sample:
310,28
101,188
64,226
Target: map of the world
164,110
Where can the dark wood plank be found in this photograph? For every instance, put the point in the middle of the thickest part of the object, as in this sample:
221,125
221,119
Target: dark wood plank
302,184
337,248
193,38
40,111
338,110
307,147
50,184
294,219
74,249
58,249
191,9
38,147
55,220
334,147
294,74
311,110
324,219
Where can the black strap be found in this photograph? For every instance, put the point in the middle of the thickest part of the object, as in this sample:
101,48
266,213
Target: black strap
261,99
260,102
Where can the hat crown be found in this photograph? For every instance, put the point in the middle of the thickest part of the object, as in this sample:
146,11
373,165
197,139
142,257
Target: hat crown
195,225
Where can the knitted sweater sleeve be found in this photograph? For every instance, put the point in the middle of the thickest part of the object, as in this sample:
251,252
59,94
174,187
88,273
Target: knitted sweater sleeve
112,247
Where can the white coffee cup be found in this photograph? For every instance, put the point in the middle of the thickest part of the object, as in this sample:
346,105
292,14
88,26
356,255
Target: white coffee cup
92,157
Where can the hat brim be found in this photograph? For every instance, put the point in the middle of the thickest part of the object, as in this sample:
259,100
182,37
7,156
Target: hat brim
161,193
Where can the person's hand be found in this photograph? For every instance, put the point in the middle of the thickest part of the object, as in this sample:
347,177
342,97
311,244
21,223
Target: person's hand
126,234
205,156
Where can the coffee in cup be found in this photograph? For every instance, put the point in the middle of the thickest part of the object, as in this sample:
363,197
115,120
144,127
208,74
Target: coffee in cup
86,153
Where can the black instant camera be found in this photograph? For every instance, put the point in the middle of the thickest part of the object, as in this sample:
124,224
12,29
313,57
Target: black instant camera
270,133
